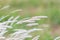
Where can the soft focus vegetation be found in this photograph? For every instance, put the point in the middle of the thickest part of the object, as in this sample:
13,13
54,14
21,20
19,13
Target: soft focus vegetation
31,8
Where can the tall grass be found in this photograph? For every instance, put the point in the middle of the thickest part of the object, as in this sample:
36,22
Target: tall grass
9,30
31,8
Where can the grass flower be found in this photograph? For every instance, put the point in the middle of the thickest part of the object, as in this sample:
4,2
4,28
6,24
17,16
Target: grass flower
16,10
18,34
32,24
36,38
5,7
57,38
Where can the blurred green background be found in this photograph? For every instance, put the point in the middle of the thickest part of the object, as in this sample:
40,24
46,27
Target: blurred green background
29,8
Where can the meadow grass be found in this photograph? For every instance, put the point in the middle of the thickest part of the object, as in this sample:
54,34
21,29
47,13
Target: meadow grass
30,8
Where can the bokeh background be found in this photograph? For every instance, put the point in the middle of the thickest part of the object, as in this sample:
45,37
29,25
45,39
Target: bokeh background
30,8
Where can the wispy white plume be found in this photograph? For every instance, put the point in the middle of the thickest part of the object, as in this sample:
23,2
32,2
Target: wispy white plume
37,17
10,18
3,17
32,24
16,10
31,20
14,20
57,38
36,38
25,21
5,7
19,34
34,29
22,34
